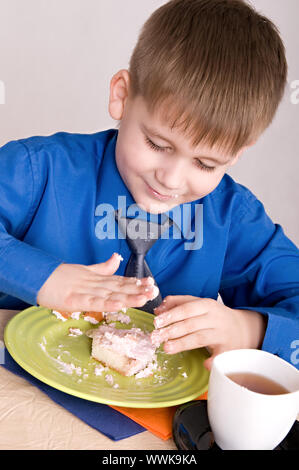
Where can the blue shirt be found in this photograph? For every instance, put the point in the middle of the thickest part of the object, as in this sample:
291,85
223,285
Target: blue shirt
51,194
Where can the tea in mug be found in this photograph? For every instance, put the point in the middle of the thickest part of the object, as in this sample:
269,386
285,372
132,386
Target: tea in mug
257,383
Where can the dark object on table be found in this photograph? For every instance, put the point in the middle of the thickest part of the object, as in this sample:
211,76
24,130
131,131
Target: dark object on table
191,429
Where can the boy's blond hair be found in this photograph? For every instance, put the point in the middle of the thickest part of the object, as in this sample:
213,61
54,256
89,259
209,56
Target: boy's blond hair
217,67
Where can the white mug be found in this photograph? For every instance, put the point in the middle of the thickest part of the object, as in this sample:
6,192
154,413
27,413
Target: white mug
245,420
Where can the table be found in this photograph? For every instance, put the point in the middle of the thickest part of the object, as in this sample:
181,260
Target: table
29,419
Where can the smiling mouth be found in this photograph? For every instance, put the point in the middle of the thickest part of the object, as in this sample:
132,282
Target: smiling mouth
160,196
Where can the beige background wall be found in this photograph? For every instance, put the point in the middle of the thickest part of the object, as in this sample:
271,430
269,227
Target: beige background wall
56,61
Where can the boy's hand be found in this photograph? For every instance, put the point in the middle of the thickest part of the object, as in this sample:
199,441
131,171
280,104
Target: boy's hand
75,287
186,322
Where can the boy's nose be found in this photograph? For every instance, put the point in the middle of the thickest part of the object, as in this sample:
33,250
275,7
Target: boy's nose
170,178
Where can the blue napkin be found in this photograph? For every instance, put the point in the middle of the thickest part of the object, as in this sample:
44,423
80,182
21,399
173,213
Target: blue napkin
110,422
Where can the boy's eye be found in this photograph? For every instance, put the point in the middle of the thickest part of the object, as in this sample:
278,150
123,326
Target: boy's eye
154,146
162,149
204,167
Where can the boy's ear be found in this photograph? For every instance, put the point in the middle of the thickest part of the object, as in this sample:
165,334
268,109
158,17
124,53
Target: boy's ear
236,158
119,92
239,154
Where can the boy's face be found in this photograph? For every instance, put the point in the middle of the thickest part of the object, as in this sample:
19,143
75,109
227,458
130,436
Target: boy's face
163,171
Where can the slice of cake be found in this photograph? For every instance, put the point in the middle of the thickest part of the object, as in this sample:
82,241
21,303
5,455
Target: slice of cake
126,351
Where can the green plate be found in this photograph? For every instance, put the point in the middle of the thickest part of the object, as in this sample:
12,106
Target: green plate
40,343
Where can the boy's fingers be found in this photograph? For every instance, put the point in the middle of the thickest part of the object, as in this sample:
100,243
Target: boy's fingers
189,309
103,289
172,301
199,339
128,301
124,284
200,325
112,303
121,280
106,285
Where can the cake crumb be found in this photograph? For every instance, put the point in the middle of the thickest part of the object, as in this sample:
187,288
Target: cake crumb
58,315
43,346
147,371
76,315
155,291
156,338
109,379
100,369
119,256
90,319
68,368
115,316
75,332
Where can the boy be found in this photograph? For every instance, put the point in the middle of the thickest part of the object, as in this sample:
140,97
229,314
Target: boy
205,80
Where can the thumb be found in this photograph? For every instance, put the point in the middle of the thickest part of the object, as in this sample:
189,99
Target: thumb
214,351
208,363
109,267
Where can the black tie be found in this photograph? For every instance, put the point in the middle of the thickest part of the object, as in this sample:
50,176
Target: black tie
140,242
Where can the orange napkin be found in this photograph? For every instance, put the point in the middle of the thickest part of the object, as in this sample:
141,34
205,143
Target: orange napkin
156,420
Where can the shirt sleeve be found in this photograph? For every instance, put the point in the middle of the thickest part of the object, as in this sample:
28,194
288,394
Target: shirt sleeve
261,273
23,268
